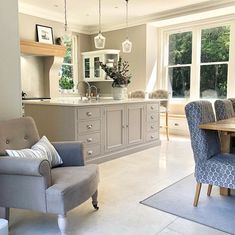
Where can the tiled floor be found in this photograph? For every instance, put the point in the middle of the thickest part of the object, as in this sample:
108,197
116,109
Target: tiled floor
124,183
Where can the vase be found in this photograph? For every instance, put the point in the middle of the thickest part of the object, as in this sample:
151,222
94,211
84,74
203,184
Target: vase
120,93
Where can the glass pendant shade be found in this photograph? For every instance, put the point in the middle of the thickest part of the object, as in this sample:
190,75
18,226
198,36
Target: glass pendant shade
126,46
67,33
99,41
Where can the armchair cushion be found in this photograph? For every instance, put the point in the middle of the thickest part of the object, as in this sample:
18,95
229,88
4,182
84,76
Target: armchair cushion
42,149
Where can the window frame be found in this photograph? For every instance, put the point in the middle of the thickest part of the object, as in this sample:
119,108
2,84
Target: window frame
195,28
73,64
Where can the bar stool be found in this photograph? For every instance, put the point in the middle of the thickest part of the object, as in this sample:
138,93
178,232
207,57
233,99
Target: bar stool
162,94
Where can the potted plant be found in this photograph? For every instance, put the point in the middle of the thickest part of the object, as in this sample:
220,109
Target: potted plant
120,76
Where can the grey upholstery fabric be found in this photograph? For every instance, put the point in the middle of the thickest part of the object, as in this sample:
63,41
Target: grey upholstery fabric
71,186
160,94
211,166
223,109
233,103
137,94
71,153
17,134
30,183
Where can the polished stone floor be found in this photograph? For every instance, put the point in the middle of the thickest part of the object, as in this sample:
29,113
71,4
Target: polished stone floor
124,182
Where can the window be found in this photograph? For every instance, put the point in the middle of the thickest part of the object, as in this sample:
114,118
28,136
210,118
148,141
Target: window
214,62
197,62
68,74
179,63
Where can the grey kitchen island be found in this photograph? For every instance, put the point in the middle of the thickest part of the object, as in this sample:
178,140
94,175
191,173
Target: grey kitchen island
108,128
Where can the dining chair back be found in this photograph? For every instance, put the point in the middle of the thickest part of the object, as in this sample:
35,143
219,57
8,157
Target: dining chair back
211,166
223,109
233,102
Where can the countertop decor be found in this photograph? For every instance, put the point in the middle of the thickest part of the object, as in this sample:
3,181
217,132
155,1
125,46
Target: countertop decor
120,76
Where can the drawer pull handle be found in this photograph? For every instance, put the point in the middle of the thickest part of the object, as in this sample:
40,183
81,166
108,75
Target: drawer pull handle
152,117
152,127
89,140
152,136
89,114
152,107
176,124
89,126
89,152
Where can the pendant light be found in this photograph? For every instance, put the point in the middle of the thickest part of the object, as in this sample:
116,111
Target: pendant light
99,39
67,33
127,44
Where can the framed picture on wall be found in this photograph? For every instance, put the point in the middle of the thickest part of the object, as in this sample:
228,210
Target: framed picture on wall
44,34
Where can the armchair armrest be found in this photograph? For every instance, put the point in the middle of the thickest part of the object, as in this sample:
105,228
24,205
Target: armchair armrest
26,167
71,152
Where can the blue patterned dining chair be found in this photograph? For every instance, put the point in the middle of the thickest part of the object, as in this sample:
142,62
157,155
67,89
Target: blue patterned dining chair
223,109
233,102
211,166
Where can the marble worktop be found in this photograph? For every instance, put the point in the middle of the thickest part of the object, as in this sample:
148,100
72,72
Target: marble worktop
76,101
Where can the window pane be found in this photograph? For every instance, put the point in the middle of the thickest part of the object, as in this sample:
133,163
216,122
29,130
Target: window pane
68,54
66,74
215,44
213,82
180,81
180,48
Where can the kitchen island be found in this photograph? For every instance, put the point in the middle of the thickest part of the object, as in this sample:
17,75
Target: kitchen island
108,128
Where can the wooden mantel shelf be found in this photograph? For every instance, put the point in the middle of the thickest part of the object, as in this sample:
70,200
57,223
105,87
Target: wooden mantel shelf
41,49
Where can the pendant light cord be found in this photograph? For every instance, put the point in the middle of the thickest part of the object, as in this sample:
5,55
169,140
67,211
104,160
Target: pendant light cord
99,16
65,16
127,19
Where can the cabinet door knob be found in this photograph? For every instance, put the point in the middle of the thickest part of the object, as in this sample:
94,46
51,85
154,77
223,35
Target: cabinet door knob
89,114
89,140
152,117
152,127
152,136
89,126
89,152
152,107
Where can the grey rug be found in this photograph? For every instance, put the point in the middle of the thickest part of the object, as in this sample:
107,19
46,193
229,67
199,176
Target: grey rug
215,211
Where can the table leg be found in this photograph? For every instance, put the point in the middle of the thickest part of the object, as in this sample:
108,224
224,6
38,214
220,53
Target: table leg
225,148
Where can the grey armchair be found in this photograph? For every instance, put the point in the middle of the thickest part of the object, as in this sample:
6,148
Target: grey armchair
31,184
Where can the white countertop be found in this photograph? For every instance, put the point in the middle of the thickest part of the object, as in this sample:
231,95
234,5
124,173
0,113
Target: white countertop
76,101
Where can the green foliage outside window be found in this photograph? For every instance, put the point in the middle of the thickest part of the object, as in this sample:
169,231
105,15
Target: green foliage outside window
214,48
66,72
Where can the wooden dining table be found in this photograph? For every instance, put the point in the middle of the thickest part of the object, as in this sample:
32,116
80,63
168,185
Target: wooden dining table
225,127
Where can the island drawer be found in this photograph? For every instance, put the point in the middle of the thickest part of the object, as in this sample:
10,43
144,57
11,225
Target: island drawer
90,138
154,126
152,136
152,117
92,151
152,107
88,126
89,113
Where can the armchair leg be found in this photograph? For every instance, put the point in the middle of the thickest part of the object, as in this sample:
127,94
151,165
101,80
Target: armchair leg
62,223
209,189
94,200
5,213
197,194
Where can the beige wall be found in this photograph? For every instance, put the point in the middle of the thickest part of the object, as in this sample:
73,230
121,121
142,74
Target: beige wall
136,59
10,94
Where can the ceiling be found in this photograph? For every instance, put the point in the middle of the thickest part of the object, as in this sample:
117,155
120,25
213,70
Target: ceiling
83,15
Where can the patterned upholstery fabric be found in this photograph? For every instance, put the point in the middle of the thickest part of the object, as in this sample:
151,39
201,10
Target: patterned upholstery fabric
137,94
160,94
211,166
223,109
233,102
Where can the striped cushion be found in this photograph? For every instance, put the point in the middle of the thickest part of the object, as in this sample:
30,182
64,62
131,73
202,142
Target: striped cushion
42,149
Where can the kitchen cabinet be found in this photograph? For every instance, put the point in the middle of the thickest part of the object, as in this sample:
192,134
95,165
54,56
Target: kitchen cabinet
91,64
108,128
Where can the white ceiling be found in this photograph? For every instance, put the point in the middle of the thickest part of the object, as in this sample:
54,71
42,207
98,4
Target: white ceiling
83,14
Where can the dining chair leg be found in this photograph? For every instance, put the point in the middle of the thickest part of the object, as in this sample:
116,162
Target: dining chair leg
197,194
167,127
209,189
